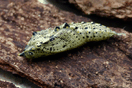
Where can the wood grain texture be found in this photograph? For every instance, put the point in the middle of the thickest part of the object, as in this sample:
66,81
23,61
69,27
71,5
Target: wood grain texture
96,64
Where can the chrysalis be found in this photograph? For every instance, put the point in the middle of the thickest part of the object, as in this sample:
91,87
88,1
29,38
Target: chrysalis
65,37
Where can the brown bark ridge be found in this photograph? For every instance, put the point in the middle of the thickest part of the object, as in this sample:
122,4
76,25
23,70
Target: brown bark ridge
121,9
96,64
4,84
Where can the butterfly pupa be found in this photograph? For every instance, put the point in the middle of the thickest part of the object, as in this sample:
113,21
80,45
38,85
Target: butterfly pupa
65,37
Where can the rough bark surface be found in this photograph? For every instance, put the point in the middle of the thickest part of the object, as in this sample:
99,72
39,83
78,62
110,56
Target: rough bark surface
4,84
121,9
96,64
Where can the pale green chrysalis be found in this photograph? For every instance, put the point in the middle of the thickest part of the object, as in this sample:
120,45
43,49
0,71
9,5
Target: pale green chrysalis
65,37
